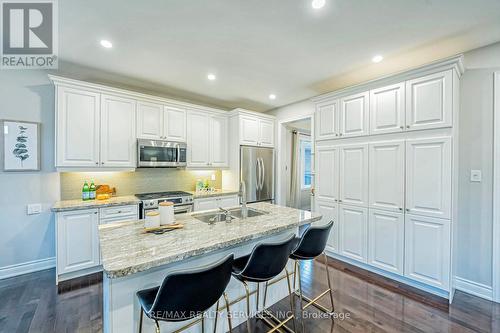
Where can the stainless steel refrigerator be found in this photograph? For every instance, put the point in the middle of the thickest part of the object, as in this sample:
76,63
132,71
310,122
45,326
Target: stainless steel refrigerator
257,171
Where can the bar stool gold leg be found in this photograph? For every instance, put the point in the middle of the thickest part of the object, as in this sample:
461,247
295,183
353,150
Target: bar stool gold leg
248,307
228,313
157,326
329,281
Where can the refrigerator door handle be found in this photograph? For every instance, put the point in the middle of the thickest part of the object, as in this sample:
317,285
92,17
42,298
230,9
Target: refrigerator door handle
263,173
257,169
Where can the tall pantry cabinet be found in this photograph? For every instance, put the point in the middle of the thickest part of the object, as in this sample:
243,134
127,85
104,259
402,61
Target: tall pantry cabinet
386,173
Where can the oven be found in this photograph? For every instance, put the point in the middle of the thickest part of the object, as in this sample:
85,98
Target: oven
161,154
182,203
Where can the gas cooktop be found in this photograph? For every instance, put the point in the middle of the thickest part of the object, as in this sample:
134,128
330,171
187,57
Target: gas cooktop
159,195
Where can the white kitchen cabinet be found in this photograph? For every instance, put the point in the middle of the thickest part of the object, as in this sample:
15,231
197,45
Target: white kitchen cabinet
329,212
216,202
77,240
174,124
387,175
353,165
354,116
118,139
353,228
149,120
386,240
218,141
428,177
387,109
78,123
256,131
429,101
427,250
327,174
327,120
207,140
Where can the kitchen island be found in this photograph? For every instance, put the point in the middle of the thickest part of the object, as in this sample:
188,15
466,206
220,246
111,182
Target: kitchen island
133,260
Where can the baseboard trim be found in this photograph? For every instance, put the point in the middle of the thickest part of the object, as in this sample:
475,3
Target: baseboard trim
27,267
473,288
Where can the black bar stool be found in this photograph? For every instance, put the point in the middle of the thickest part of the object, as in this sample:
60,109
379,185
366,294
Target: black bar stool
186,295
309,246
265,262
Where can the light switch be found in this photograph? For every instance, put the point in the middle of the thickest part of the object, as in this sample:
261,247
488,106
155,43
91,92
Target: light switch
475,176
34,209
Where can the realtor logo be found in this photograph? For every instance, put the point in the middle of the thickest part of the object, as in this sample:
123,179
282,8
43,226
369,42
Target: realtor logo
29,34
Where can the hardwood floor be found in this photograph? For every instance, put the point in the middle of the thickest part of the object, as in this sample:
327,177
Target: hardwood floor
31,303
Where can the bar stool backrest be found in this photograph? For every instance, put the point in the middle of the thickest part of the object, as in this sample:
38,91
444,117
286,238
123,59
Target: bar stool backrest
313,242
267,260
187,294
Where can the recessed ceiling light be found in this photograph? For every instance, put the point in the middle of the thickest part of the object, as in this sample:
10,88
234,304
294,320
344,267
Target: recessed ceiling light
318,4
211,77
106,43
272,96
377,58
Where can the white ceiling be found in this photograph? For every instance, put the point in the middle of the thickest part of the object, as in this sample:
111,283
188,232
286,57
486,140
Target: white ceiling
260,47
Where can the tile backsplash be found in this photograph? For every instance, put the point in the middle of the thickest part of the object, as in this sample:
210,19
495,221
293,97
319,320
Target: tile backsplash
140,181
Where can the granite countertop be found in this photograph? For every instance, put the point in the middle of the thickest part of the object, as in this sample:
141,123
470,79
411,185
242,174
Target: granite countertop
126,249
66,205
216,193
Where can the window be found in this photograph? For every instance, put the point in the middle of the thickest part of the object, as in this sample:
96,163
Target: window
305,164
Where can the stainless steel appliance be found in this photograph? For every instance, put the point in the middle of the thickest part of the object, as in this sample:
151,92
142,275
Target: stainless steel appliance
160,154
257,171
183,201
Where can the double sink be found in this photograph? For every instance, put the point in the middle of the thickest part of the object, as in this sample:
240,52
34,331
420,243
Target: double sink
227,215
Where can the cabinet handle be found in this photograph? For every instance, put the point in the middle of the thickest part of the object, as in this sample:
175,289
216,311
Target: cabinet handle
102,162
402,127
336,134
95,212
340,200
340,134
407,126
96,163
408,210
400,208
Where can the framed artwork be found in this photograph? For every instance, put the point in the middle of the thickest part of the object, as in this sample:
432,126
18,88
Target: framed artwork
21,145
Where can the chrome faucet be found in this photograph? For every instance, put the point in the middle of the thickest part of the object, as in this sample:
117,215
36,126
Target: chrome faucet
227,214
243,195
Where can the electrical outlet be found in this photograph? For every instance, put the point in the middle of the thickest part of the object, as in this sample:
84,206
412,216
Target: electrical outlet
475,176
34,209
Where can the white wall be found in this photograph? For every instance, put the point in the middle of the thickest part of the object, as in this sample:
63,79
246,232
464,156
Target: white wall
28,95
474,256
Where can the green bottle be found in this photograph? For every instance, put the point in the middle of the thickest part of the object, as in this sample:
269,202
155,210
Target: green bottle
85,192
92,190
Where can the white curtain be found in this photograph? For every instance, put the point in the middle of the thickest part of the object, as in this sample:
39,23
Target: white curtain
295,171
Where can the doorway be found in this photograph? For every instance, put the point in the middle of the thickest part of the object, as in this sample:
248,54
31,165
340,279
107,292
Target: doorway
296,163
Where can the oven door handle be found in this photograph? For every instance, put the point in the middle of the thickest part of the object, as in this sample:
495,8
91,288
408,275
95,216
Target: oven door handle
183,209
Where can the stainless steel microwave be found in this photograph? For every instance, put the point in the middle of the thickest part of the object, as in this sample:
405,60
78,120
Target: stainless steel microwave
160,154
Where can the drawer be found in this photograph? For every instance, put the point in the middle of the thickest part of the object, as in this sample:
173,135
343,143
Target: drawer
119,211
118,219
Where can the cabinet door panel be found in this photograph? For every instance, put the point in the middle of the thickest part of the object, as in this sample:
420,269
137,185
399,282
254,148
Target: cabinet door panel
327,122
354,175
327,174
118,139
387,175
149,120
266,133
228,202
77,240
427,250
428,177
205,204
218,141
387,109
386,240
77,128
174,126
329,211
249,131
353,232
198,153
429,101
354,115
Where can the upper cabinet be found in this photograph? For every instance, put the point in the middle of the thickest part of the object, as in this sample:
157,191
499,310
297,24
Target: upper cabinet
425,102
118,139
158,122
429,101
327,120
77,132
387,109
256,131
354,115
207,140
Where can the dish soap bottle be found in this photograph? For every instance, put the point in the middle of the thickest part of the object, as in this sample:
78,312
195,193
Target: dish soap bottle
85,191
92,190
